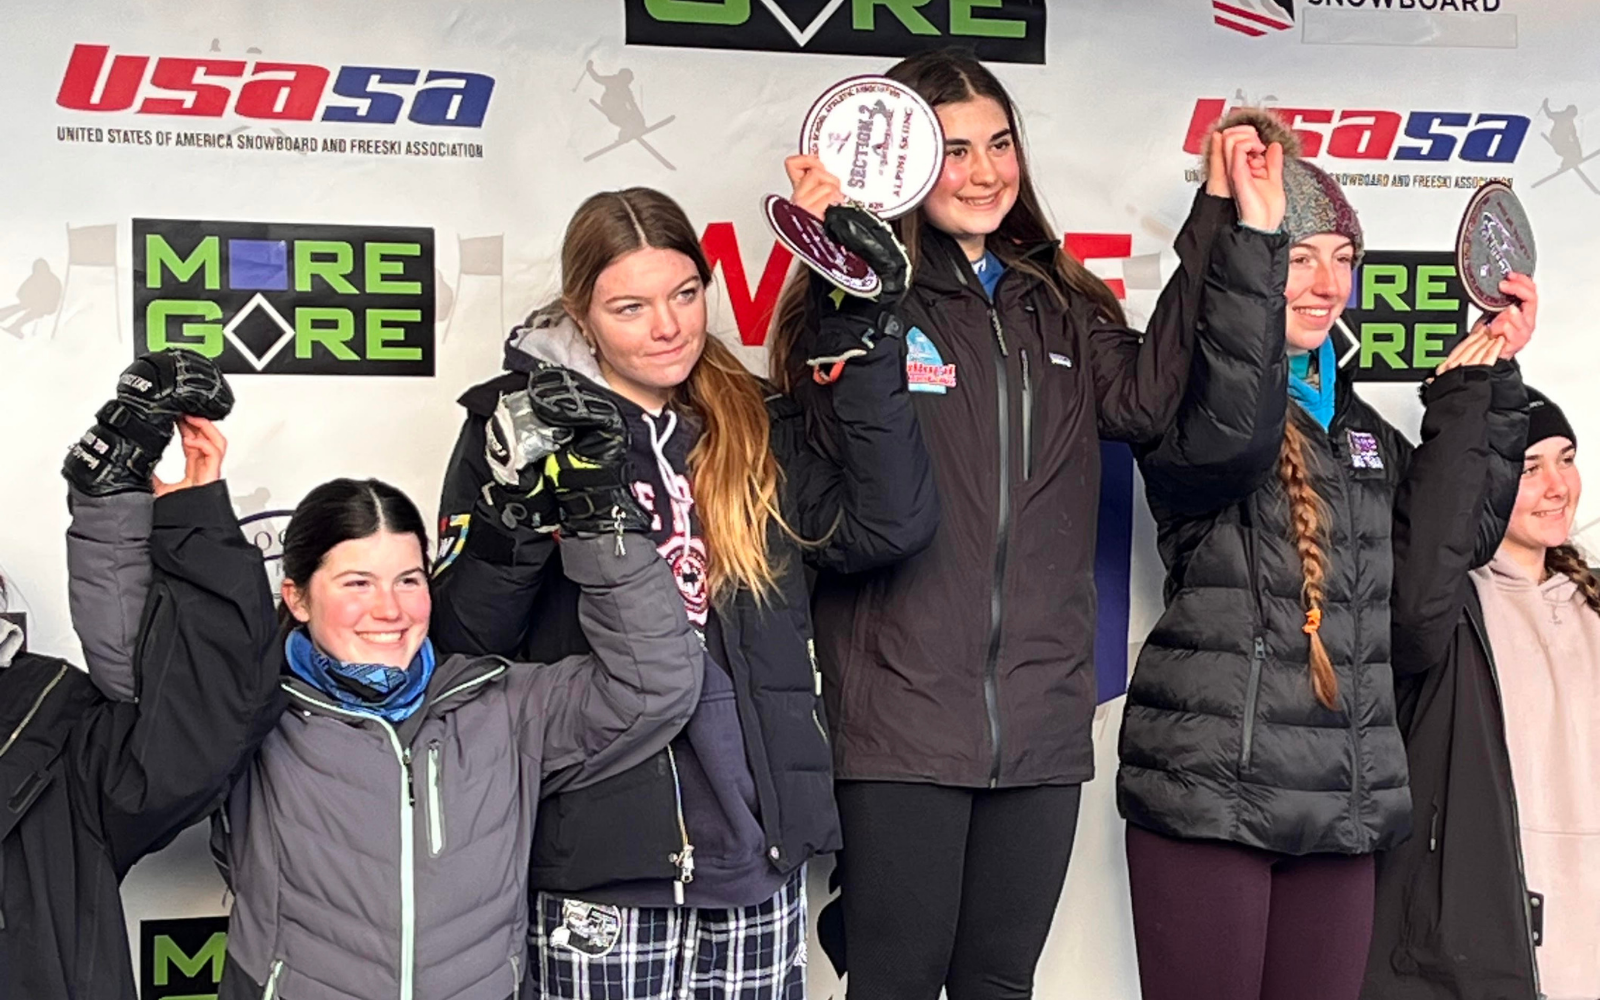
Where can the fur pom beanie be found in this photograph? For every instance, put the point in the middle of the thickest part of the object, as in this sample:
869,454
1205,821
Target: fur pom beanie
1316,203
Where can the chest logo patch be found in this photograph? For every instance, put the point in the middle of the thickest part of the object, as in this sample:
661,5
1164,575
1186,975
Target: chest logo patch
925,367
1364,452
1060,359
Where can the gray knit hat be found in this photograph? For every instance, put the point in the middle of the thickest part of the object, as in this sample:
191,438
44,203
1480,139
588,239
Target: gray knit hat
1316,203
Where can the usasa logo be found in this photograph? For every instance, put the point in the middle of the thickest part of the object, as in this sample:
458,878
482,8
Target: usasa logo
1418,136
286,299
995,30
264,90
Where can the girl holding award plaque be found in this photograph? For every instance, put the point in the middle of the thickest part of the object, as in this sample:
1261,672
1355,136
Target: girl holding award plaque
960,683
1262,759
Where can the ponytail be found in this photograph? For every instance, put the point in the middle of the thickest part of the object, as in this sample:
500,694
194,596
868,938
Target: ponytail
1566,560
1307,518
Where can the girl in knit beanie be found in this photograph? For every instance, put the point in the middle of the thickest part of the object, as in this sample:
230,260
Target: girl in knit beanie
1262,766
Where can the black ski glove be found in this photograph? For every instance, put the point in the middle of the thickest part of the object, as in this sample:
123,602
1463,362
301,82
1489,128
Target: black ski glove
854,325
590,475
120,452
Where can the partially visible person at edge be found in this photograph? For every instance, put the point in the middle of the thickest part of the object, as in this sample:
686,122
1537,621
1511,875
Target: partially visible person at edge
377,843
1262,765
686,875
92,783
961,683
1499,696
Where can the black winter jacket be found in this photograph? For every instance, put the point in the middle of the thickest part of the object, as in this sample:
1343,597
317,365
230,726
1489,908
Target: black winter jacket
1222,737
972,663
875,504
89,785
1453,920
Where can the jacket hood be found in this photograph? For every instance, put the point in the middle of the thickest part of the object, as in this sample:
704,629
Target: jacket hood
10,642
551,336
1508,575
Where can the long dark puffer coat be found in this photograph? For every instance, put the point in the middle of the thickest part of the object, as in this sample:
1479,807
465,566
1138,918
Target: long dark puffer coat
1223,738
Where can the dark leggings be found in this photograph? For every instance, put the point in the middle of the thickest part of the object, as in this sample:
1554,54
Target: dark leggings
951,887
1220,921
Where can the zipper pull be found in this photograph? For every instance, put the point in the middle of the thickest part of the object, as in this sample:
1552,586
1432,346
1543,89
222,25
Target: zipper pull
616,519
411,781
1261,648
816,675
685,863
1026,384
999,334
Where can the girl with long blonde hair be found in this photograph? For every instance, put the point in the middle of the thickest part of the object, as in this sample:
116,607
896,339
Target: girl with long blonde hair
685,876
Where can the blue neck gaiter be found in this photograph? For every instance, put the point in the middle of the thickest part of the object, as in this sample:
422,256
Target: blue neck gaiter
1316,400
387,692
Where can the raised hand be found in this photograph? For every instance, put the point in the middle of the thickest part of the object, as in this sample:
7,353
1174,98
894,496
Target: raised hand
1514,326
814,188
203,451
1240,166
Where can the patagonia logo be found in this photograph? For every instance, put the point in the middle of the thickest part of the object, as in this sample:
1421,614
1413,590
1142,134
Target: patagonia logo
925,367
1060,359
1363,450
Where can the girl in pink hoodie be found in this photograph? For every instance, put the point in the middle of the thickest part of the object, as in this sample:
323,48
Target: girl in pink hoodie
1541,602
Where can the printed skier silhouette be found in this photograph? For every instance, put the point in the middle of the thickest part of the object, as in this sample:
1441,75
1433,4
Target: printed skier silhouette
1563,138
38,296
623,111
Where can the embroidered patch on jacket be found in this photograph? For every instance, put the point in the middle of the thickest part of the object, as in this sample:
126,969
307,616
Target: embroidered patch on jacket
925,367
1363,450
1060,359
587,928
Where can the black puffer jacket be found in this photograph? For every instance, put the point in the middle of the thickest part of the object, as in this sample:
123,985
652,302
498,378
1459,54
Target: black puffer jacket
972,663
89,785
1453,920
874,504
1222,737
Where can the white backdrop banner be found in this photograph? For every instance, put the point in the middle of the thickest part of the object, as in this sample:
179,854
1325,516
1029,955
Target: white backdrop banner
349,203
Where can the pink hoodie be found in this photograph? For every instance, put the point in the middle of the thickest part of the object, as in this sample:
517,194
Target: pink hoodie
1547,646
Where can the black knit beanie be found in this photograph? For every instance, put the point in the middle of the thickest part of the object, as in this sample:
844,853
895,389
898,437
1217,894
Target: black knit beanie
1545,419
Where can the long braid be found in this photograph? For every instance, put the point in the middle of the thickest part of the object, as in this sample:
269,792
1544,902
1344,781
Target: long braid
1306,519
1566,560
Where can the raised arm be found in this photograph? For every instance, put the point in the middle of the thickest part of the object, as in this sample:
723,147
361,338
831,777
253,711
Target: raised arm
1224,441
204,675
857,477
496,549
1454,501
587,717
1139,379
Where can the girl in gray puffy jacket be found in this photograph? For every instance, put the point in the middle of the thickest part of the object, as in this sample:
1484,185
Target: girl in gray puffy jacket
377,845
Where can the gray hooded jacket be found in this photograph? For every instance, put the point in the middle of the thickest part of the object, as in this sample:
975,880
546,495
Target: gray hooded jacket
389,862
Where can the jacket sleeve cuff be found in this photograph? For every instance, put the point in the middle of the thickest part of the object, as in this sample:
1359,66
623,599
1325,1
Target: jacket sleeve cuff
110,518
196,506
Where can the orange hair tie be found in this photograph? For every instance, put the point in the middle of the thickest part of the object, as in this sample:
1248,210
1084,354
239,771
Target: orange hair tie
1313,621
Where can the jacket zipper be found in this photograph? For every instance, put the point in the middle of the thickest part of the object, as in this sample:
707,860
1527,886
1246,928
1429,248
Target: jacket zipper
816,677
435,802
1027,418
271,989
684,859
1258,656
1350,488
516,977
991,683
1516,817
408,803
33,709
